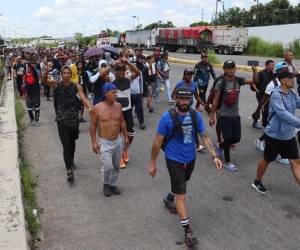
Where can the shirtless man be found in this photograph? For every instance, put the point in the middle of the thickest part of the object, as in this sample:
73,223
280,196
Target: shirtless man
109,116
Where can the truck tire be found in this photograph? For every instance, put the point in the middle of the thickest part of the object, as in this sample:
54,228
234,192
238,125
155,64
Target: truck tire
226,51
230,51
191,50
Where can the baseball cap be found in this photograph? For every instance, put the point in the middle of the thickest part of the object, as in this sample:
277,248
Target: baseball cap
285,74
279,66
102,63
188,71
184,92
228,64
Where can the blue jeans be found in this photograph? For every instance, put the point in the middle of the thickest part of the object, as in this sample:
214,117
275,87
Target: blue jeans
167,89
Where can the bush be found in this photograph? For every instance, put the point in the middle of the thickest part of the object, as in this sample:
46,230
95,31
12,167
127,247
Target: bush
295,47
212,57
259,47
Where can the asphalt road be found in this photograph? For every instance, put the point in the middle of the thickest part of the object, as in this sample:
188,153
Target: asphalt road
239,59
225,211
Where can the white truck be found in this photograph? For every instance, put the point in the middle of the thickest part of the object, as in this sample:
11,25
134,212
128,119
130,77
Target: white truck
229,40
138,38
105,41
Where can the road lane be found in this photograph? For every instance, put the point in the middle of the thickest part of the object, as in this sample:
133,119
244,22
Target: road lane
225,212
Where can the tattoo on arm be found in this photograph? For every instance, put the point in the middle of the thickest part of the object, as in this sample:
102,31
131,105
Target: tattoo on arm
207,142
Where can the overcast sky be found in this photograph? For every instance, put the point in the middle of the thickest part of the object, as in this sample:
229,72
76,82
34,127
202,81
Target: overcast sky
62,18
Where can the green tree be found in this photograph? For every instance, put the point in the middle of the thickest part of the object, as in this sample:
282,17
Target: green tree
159,24
272,13
78,36
201,23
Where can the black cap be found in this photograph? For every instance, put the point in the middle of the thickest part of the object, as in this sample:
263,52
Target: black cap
184,92
228,64
285,74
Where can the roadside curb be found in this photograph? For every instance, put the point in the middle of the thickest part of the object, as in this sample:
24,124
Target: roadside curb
217,65
13,233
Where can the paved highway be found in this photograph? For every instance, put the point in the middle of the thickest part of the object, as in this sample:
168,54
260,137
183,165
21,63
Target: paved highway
225,211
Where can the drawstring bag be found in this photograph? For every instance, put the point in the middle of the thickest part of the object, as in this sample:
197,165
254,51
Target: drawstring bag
231,96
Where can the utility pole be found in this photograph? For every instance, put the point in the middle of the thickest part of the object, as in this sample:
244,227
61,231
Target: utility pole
216,13
138,21
202,11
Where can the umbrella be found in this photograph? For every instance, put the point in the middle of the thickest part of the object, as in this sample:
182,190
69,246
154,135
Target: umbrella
94,51
110,49
29,50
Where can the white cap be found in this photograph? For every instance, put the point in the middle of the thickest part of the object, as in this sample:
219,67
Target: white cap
101,62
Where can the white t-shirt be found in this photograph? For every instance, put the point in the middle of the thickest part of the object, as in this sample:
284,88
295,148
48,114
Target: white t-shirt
271,86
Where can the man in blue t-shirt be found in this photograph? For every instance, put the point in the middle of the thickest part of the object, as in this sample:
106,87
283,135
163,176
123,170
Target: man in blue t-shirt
192,85
180,153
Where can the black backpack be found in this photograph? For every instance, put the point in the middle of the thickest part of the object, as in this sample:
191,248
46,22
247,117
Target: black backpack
177,128
212,91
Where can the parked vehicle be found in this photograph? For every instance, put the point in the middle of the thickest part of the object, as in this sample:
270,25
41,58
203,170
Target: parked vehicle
191,39
138,38
229,40
223,39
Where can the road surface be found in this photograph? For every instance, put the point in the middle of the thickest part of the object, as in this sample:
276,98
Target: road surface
224,210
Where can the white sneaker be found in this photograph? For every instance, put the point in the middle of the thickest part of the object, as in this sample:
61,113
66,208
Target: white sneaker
260,145
230,166
201,148
283,161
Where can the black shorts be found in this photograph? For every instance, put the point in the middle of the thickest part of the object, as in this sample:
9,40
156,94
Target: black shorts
33,103
180,173
129,122
230,126
287,149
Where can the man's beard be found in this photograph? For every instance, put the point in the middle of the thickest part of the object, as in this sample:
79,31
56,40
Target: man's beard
183,108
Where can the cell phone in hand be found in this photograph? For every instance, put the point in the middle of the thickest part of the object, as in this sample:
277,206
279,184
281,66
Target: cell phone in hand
253,63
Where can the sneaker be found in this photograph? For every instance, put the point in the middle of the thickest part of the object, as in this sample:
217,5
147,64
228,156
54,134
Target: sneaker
189,239
230,166
115,190
151,110
256,125
82,120
283,161
142,126
260,145
201,148
171,102
218,151
170,205
37,123
106,190
70,176
259,187
122,163
31,123
126,157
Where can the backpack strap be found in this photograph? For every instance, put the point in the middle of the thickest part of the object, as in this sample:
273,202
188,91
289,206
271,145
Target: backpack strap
176,122
194,120
177,128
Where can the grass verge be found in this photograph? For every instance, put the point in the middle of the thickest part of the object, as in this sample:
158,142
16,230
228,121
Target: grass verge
28,183
259,47
212,57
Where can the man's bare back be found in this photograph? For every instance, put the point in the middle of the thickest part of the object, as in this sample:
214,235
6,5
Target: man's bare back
109,118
